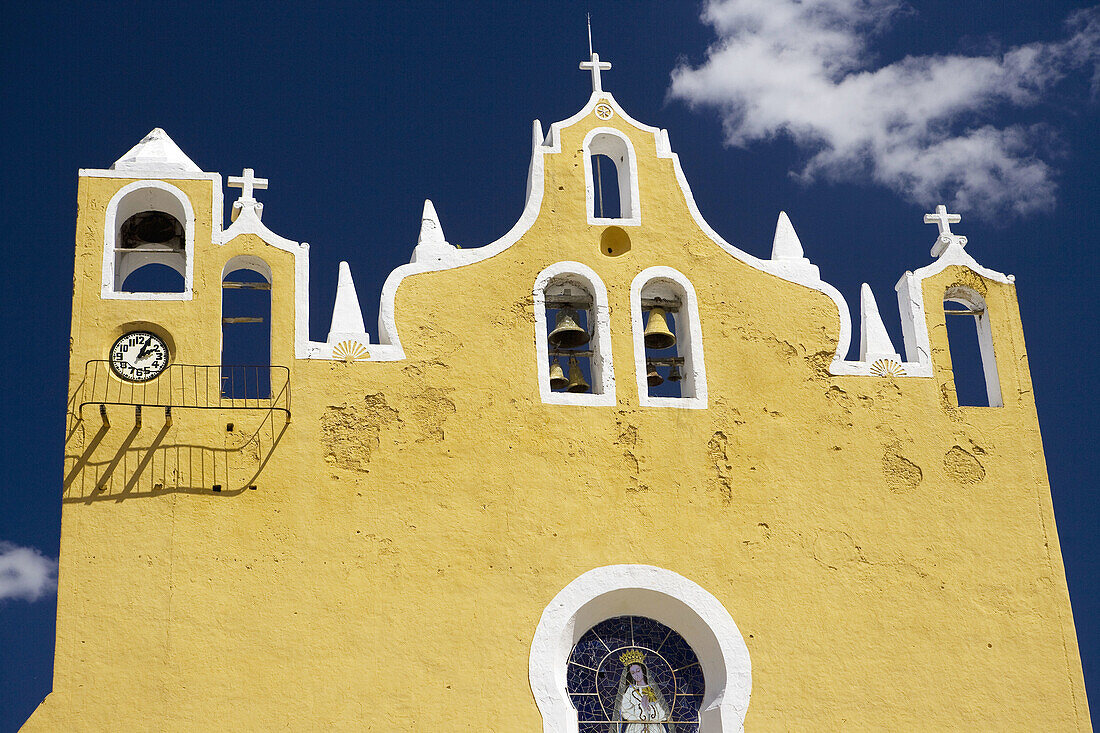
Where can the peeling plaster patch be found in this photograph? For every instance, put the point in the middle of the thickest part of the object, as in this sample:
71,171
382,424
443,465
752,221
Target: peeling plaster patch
835,549
962,466
350,432
819,363
628,439
431,408
717,448
902,475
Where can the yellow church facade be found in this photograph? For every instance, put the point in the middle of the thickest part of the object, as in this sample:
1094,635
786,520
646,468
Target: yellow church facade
604,531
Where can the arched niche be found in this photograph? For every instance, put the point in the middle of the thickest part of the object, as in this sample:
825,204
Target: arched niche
961,302
246,328
654,285
609,142
132,213
550,285
662,595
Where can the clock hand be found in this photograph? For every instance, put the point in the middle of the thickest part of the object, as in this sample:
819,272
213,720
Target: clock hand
144,349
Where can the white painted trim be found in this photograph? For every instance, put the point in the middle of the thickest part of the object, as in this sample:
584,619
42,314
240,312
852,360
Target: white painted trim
971,299
110,280
665,596
151,175
605,139
602,365
248,262
914,320
689,339
248,222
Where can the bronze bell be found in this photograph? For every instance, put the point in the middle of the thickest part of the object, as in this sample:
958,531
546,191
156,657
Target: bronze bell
567,334
557,375
576,378
657,335
653,377
674,373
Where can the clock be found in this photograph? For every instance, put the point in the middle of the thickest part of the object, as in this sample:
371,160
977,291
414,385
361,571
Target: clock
139,356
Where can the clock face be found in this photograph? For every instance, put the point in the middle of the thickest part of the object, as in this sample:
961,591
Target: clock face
139,356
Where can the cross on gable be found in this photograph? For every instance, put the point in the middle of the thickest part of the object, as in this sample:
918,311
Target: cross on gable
943,220
595,66
247,181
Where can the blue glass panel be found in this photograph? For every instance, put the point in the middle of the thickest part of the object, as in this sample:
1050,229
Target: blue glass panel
648,633
579,679
589,651
677,652
588,707
690,680
615,632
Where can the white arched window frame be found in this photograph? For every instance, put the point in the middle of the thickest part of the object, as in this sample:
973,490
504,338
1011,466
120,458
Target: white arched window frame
616,146
970,300
664,596
133,199
602,369
667,282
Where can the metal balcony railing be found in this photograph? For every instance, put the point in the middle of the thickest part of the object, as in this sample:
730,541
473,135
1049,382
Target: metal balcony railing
195,386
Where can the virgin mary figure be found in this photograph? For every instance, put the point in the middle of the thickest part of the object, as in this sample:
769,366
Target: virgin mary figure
639,703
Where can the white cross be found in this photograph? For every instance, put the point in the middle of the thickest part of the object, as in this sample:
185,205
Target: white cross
596,66
247,181
943,220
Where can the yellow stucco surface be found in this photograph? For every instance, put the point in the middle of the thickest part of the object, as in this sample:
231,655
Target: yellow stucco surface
890,558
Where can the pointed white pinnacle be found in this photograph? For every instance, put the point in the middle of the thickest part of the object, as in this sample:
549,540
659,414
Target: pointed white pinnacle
874,341
156,153
431,232
536,134
347,316
785,245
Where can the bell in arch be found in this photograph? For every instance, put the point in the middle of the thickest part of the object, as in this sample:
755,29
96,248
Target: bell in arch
657,335
557,375
674,374
567,333
653,377
576,377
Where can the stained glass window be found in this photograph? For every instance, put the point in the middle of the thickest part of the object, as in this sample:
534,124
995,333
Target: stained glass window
631,674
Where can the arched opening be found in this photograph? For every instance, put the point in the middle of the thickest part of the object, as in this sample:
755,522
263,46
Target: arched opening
667,340
606,175
970,340
246,329
153,278
573,338
611,178
600,599
149,240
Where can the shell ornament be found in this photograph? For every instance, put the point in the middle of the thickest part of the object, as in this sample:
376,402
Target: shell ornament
887,368
350,351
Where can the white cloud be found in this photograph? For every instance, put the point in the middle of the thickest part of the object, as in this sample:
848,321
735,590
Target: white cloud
25,573
924,126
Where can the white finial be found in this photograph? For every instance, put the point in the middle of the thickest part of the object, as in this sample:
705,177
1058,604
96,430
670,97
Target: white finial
874,341
431,231
785,244
943,220
247,182
347,316
595,66
589,16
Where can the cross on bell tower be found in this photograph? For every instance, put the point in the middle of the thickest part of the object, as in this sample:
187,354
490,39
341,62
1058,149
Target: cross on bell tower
247,181
595,66
944,220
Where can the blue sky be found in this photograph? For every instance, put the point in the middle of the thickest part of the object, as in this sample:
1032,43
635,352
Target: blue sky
855,118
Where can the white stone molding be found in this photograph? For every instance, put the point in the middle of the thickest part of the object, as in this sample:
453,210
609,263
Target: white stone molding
248,222
134,198
251,263
972,300
347,316
601,363
662,595
669,283
874,341
616,146
914,322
